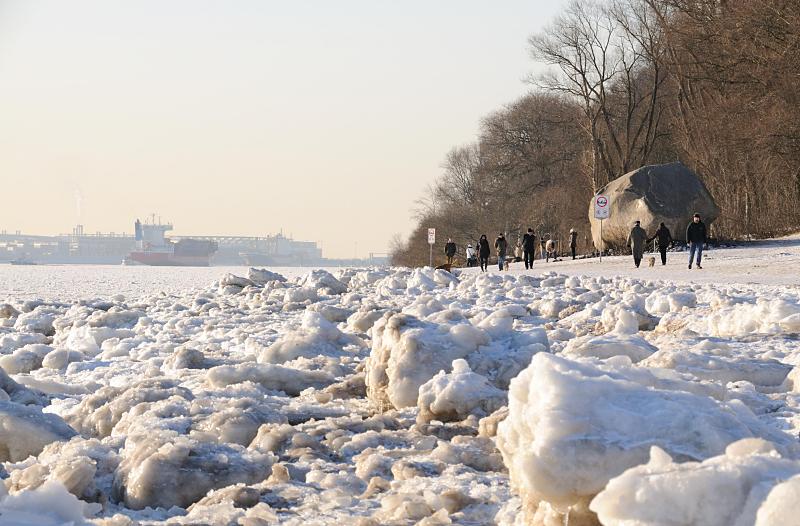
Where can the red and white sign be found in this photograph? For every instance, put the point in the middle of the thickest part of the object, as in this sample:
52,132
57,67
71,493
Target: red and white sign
602,210
431,236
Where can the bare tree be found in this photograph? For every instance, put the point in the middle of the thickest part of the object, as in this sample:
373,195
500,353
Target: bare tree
606,58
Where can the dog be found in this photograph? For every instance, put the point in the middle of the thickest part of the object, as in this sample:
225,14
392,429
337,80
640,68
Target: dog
651,261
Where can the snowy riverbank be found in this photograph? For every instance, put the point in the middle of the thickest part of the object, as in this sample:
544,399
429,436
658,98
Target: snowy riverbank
407,397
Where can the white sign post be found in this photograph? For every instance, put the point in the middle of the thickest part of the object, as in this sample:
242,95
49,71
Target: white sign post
602,211
431,242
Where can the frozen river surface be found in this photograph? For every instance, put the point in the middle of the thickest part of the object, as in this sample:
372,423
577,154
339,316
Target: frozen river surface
69,282
579,393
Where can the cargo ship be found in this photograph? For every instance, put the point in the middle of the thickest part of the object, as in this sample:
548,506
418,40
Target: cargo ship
153,248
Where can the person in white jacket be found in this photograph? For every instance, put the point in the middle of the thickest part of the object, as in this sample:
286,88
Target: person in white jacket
471,259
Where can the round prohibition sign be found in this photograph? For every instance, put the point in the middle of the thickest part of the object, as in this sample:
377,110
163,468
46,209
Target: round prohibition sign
602,201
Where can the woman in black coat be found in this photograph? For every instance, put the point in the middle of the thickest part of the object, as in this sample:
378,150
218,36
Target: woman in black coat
483,252
664,239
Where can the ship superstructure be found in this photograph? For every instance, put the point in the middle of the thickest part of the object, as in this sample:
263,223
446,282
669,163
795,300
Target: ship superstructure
153,248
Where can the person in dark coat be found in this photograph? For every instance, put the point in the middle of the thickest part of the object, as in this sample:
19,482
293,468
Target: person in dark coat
450,251
664,238
501,245
637,239
528,248
696,237
483,252
573,241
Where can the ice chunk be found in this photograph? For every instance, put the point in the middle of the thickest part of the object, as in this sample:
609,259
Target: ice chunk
26,430
300,295
164,470
97,414
780,506
454,396
11,390
611,344
725,490
262,276
317,336
49,505
115,318
331,313
662,301
232,284
363,319
478,453
407,352
60,358
87,339
721,368
39,320
8,311
25,359
276,377
238,421
324,282
10,342
77,464
771,316
185,358
572,426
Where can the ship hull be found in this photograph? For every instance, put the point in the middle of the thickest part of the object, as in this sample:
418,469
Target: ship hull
165,259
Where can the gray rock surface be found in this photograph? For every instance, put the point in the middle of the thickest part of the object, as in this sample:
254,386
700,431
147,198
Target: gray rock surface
671,193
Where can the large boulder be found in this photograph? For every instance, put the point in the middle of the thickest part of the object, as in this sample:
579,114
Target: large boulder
671,193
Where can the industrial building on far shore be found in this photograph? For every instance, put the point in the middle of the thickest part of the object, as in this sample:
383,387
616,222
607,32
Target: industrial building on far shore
80,247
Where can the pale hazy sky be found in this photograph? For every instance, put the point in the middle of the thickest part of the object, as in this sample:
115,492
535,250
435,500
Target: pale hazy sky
322,118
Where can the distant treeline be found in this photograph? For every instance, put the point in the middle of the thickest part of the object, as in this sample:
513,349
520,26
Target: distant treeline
712,83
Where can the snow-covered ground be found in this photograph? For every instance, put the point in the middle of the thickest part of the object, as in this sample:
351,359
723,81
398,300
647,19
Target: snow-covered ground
769,262
396,396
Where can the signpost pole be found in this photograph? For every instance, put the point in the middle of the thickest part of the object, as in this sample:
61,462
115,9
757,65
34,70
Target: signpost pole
601,240
431,241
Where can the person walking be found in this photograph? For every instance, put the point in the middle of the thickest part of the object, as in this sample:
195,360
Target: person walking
528,248
664,238
696,237
550,250
483,252
501,245
450,250
637,239
471,259
573,241
542,246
